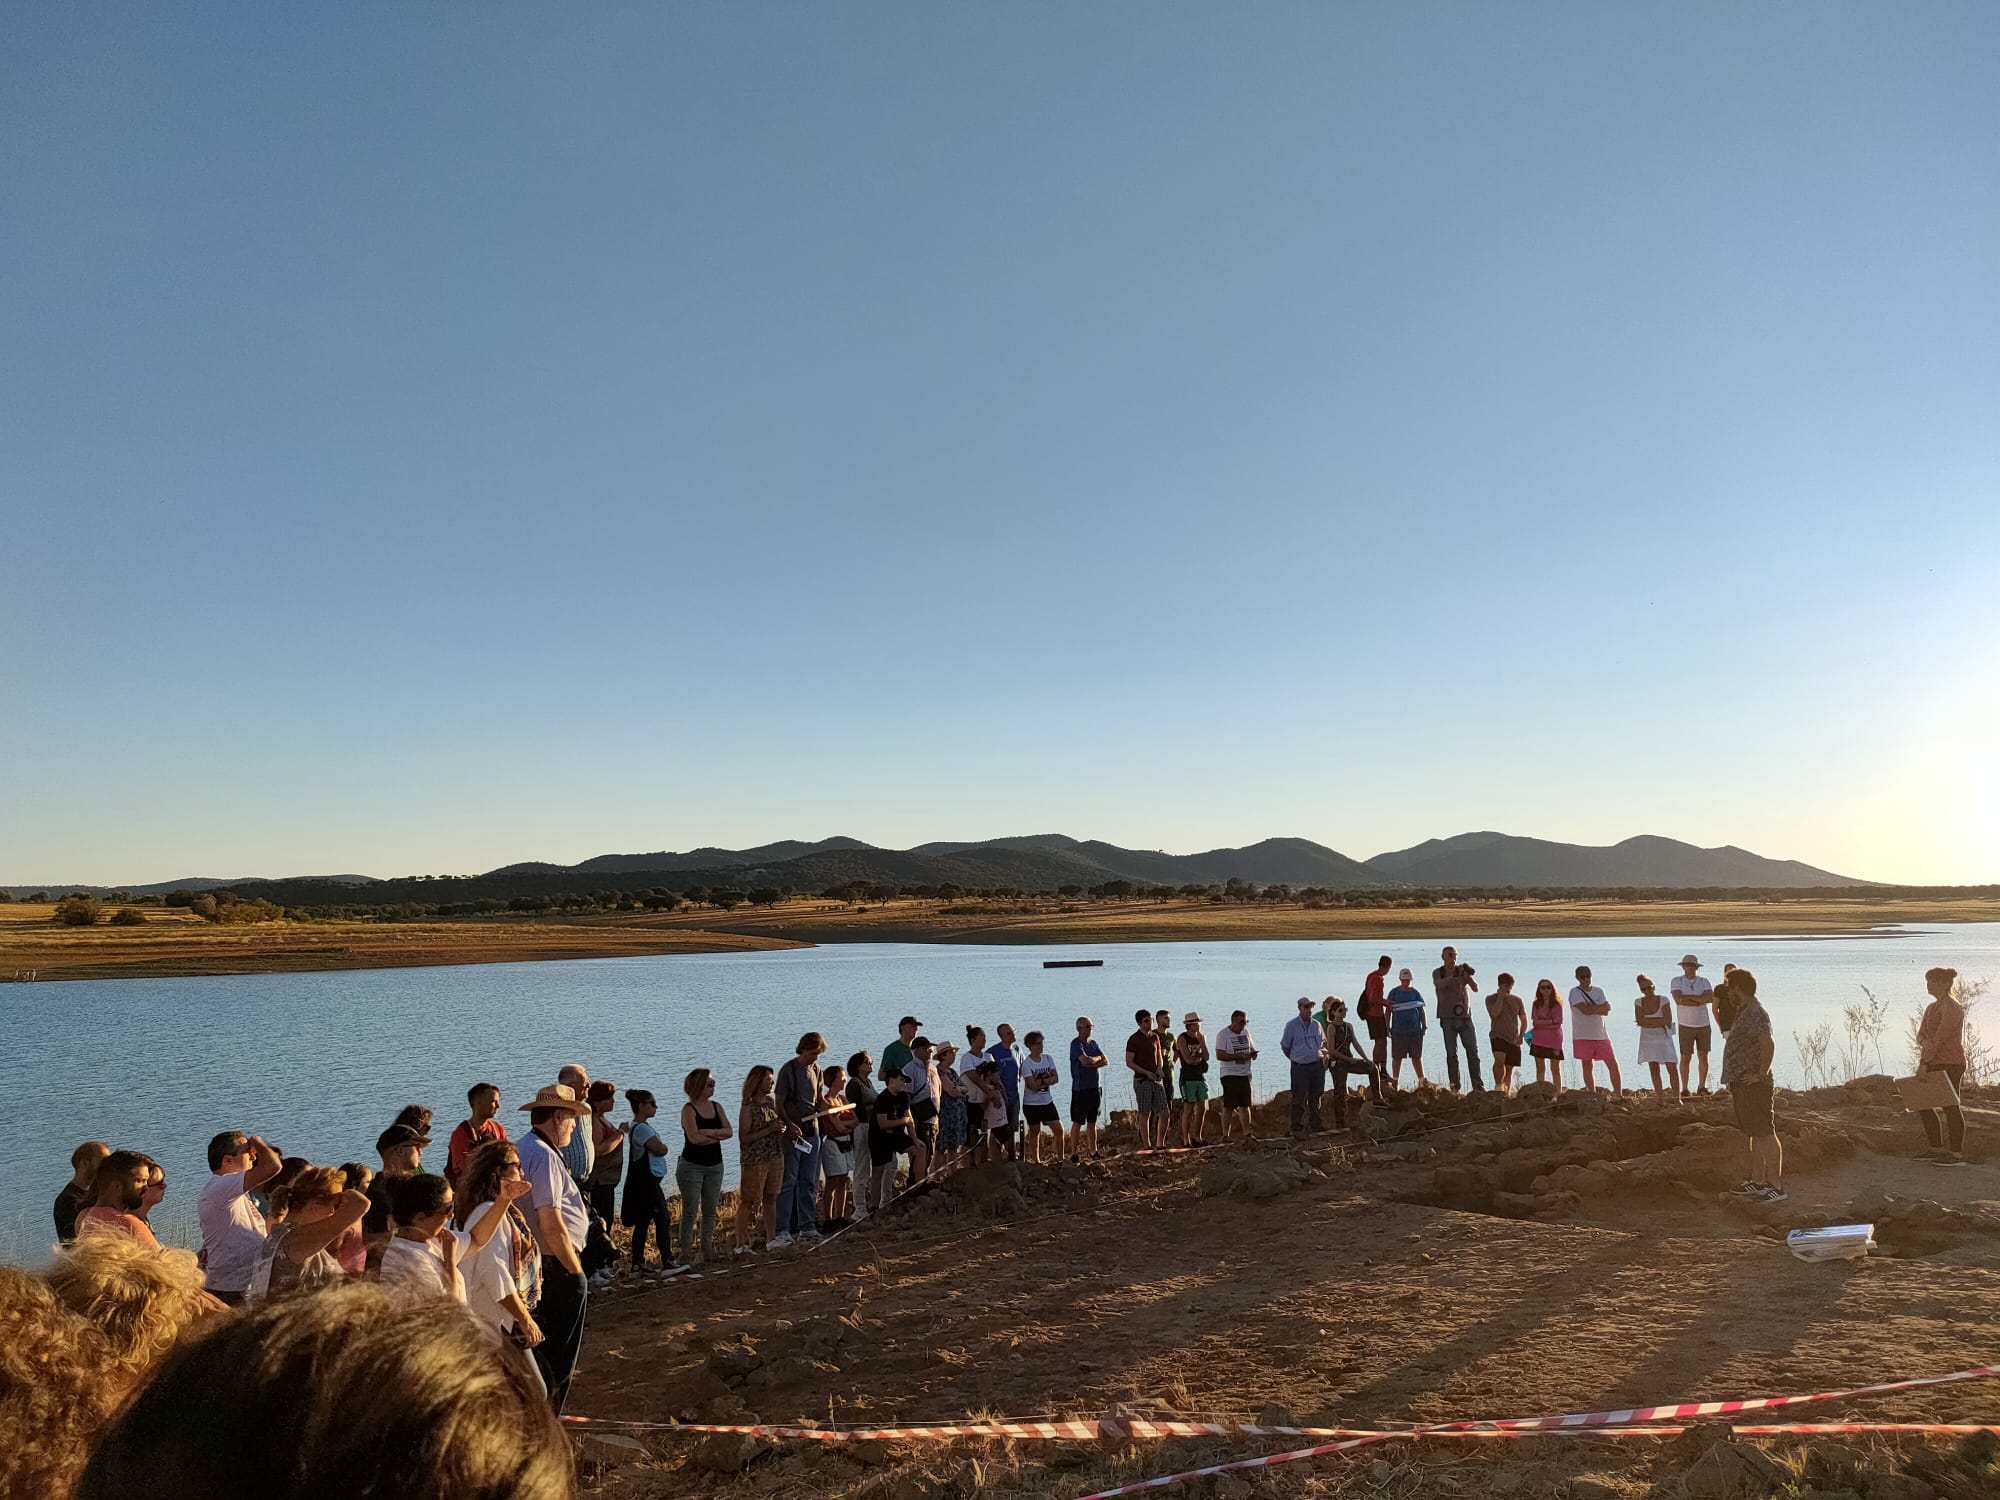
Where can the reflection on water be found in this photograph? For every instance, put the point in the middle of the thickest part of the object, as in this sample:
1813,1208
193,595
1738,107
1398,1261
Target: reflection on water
319,1063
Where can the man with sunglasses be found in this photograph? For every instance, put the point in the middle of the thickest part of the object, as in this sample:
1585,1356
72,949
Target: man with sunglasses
232,1228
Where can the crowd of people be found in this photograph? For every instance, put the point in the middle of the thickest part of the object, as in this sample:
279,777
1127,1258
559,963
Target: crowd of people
517,1227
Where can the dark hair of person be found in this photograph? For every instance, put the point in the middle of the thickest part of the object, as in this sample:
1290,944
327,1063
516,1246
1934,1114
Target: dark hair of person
812,1041
472,1094
854,1063
358,1175
229,1143
696,1081
288,1171
637,1097
410,1198
1141,1017
94,1151
832,1077
760,1078
351,1391
1384,961
1745,982
479,1180
1033,1039
1506,979
1939,975
416,1117
114,1169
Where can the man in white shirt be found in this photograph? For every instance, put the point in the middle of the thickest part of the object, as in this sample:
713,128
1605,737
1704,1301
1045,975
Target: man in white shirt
1589,1034
1693,996
1234,1052
232,1228
1304,1046
562,1225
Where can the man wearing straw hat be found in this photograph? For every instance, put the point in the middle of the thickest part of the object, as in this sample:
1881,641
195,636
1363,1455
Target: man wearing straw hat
1693,996
562,1226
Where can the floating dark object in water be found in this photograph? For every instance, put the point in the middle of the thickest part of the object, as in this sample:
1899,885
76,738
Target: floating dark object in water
1072,963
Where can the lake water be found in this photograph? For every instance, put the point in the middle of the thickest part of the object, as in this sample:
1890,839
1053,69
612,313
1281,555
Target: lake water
319,1063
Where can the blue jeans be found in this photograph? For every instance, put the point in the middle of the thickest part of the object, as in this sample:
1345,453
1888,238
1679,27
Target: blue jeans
1458,1032
798,1199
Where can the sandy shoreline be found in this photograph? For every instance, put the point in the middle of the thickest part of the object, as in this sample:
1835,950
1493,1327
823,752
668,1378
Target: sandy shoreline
174,943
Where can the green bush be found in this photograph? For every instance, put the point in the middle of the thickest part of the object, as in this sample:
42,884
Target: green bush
77,911
128,916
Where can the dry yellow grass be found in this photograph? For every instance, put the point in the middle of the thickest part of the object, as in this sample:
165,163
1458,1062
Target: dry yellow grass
175,942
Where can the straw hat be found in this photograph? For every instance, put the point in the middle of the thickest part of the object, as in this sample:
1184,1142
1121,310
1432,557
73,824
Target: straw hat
557,1096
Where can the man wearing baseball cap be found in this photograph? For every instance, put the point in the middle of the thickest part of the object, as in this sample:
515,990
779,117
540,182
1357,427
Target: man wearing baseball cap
401,1148
561,1221
1693,996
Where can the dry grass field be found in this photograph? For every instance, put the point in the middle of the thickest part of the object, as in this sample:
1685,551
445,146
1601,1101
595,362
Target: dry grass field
175,942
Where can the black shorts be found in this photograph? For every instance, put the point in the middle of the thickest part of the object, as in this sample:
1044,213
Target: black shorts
1085,1105
923,1111
884,1146
1043,1114
1378,1028
1235,1092
1754,1114
1695,1039
1002,1134
1505,1051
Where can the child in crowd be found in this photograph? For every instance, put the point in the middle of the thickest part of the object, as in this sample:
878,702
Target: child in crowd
996,1108
889,1135
1509,1022
1545,1041
1655,1014
836,1150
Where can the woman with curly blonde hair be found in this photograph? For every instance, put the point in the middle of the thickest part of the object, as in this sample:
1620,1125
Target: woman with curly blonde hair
141,1300
54,1393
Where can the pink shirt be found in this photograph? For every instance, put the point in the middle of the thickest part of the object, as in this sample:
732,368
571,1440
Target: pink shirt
113,1221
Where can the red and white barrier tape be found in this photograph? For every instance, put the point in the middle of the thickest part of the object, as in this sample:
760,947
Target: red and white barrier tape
1611,1422
1632,1422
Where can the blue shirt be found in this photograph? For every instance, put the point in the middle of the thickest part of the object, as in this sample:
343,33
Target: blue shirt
1083,1080
1010,1066
1406,1011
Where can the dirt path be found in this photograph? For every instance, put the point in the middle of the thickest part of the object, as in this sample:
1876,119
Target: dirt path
1339,1302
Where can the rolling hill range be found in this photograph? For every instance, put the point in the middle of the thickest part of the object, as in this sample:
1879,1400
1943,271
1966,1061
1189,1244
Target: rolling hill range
1049,862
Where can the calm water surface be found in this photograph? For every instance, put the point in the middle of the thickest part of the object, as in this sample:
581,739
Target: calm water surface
319,1063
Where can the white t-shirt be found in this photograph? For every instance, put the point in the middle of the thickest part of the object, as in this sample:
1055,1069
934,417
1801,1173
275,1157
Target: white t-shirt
1691,1015
488,1275
975,1096
1583,1028
1226,1042
417,1265
232,1231
551,1186
1042,1070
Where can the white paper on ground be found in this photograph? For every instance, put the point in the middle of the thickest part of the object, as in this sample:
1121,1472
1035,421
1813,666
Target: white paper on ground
1835,1242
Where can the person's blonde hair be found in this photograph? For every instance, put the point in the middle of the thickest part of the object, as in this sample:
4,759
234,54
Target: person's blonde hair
140,1298
314,1184
55,1385
761,1077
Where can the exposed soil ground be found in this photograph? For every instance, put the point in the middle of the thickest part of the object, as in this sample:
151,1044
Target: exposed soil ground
1526,1259
174,942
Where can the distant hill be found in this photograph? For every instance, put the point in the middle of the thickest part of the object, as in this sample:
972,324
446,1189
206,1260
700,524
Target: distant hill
163,887
1500,860
1052,861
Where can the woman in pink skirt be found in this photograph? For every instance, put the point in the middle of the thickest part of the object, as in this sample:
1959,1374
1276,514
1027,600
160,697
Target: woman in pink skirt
1545,1040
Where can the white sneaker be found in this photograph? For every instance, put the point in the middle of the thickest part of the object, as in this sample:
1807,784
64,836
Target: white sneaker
780,1241
811,1237
599,1280
743,1250
860,1214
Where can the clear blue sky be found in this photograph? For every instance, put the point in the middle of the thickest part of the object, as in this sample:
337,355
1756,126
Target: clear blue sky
437,435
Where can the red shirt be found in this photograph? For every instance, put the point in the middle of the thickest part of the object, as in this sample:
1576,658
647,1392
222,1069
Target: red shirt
1941,1035
465,1140
1371,1005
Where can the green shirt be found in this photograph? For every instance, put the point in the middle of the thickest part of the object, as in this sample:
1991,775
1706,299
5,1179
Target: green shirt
895,1057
